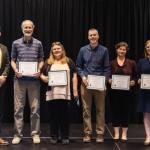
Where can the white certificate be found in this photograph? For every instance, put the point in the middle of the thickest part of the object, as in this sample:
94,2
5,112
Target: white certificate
28,68
120,82
96,82
57,78
145,81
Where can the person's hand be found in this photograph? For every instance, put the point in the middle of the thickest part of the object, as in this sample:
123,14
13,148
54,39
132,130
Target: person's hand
18,74
44,78
139,81
2,80
36,75
132,83
85,81
110,81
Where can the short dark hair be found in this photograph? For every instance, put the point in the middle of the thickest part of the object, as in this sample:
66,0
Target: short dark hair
118,45
0,28
93,29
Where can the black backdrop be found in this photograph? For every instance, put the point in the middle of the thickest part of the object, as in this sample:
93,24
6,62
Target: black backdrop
68,21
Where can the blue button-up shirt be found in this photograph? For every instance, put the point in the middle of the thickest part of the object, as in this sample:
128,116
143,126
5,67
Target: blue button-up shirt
93,61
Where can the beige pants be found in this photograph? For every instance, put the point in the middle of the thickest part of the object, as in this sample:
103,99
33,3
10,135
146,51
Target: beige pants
99,101
33,90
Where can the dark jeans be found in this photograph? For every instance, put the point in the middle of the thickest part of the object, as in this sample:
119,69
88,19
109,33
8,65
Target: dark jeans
59,119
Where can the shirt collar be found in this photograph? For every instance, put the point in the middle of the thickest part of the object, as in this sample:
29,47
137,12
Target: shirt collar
124,64
90,48
27,42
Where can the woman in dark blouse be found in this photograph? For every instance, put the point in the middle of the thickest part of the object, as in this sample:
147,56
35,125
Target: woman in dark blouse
121,99
144,97
58,96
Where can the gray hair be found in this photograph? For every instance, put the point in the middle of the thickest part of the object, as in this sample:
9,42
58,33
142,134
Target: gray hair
23,22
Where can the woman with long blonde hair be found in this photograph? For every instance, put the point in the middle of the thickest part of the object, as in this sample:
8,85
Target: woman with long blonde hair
58,96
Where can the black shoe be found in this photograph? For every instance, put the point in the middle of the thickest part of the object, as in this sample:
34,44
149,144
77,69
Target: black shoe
116,140
65,141
53,140
146,143
124,140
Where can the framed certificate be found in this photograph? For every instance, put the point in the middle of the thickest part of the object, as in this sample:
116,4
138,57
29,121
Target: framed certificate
145,81
28,68
57,78
96,82
120,82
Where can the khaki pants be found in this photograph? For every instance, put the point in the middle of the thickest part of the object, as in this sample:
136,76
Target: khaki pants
33,90
99,101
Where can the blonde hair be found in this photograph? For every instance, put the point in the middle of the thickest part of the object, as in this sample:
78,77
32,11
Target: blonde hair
64,58
145,51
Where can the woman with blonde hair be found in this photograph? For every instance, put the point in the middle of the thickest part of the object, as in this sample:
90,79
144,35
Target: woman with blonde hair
58,96
144,95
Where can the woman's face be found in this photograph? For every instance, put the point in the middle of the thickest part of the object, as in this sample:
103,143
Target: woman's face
57,52
148,49
121,51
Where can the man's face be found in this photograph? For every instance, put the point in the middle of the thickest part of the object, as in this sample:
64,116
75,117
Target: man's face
27,28
93,36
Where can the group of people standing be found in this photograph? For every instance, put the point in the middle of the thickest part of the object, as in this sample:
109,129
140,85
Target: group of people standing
93,59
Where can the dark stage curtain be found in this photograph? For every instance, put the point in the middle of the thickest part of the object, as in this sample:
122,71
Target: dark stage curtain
68,21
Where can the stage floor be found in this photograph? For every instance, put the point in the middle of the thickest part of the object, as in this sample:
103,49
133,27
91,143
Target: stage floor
136,137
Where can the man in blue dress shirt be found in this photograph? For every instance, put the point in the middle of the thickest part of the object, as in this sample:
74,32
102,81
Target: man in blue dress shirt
93,59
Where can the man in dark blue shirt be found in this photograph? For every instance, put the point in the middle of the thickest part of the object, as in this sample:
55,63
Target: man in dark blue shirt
93,59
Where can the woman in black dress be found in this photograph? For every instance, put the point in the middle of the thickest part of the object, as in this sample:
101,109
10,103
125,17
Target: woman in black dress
121,99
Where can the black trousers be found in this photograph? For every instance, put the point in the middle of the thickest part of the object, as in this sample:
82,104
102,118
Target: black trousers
59,118
120,107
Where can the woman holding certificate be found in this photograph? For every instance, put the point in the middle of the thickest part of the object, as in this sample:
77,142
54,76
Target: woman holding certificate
144,97
59,72
123,77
